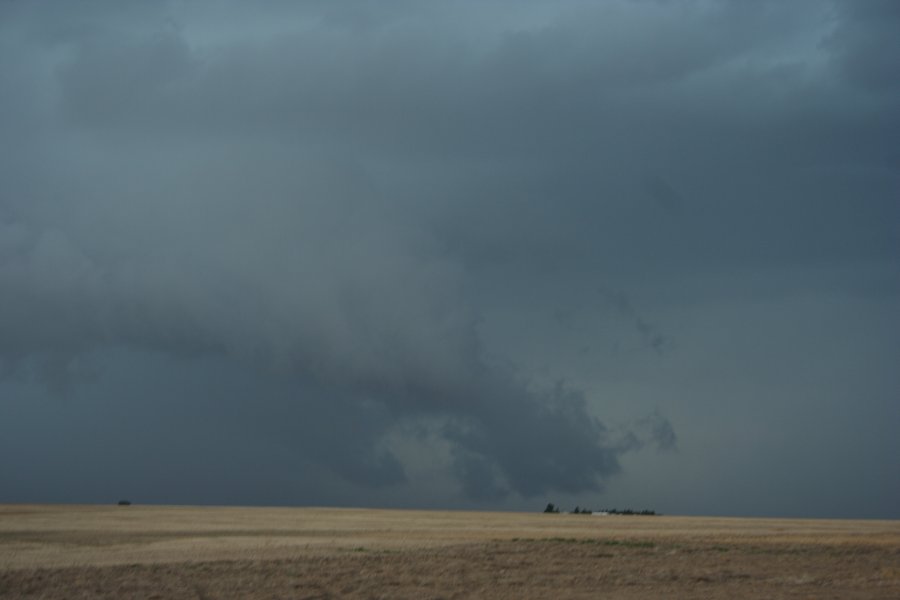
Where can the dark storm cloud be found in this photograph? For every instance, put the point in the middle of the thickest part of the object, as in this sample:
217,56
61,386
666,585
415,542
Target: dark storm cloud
157,239
619,301
660,432
661,192
343,207
865,46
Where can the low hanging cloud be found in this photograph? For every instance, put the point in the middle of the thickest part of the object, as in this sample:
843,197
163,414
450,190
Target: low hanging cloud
223,199
273,258
336,294
327,203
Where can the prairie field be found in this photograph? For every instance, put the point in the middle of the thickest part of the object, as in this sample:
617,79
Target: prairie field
66,551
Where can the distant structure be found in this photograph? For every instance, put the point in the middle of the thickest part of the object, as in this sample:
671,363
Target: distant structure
628,511
551,508
124,502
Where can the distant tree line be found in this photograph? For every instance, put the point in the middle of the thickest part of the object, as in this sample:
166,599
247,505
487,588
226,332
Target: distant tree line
552,508
628,511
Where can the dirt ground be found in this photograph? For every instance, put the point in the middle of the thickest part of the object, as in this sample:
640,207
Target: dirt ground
211,552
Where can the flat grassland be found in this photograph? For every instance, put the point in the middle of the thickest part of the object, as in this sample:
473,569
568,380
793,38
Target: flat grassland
62,551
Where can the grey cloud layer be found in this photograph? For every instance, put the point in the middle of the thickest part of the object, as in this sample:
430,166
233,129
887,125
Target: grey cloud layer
334,200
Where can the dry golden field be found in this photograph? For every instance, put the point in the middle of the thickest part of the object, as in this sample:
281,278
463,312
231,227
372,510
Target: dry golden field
217,552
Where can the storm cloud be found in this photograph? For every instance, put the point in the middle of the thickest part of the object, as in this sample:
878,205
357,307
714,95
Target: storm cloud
478,254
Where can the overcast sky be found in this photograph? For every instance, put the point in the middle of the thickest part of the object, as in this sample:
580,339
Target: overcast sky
492,254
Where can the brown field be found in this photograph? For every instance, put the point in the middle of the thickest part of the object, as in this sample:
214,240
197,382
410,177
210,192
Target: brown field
210,552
